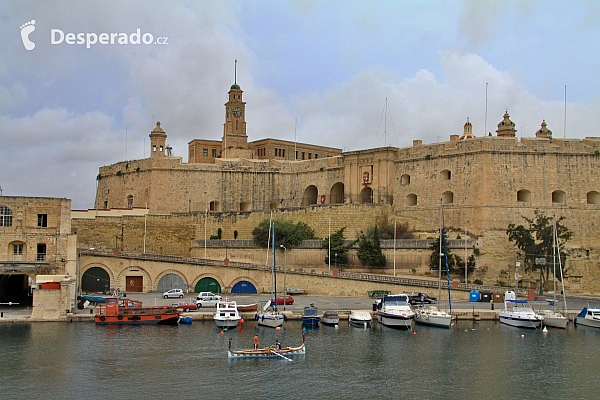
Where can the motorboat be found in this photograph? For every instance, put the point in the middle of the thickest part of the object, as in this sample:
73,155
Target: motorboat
394,311
519,313
330,318
268,352
588,317
268,316
120,311
311,315
361,319
434,317
227,315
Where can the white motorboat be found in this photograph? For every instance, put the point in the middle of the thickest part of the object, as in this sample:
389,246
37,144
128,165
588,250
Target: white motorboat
519,313
330,318
227,315
434,317
394,311
589,317
267,316
360,319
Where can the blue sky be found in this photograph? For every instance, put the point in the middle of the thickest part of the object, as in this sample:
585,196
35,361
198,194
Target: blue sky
330,65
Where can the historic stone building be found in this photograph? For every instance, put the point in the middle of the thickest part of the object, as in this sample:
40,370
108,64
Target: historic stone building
485,183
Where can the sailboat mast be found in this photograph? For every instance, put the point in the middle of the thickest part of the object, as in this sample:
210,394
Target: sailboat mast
446,256
554,255
274,271
440,258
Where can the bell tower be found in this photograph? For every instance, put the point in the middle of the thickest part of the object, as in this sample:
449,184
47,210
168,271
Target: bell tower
158,138
234,132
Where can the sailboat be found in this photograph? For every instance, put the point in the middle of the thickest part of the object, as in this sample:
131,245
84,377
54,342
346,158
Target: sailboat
553,317
268,315
431,315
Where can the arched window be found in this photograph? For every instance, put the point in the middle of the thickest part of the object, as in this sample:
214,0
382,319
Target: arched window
593,197
405,179
559,197
6,216
447,197
366,195
411,200
130,201
336,195
523,196
446,175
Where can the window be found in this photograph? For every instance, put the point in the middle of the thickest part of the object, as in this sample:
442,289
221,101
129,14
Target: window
105,205
309,156
303,155
405,179
130,201
6,216
275,152
446,175
43,220
283,153
214,153
41,252
296,157
205,152
316,156
17,251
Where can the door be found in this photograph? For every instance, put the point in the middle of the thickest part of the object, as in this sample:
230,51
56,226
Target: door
134,283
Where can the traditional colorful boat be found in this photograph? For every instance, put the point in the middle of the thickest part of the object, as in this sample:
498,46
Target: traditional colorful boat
119,311
247,307
267,352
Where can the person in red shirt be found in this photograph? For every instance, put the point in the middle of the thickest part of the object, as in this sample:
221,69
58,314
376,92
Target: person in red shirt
256,341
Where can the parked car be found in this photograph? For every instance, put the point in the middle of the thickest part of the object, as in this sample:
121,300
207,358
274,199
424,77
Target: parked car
176,293
207,301
414,298
281,300
202,295
184,305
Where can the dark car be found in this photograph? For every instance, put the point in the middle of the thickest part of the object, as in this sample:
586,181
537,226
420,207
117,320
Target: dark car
415,298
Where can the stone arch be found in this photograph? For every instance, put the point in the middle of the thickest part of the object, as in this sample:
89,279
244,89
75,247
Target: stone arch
84,269
446,175
310,195
523,196
336,194
411,200
168,272
559,197
215,205
447,197
593,197
405,179
208,275
147,283
20,254
245,206
245,279
366,195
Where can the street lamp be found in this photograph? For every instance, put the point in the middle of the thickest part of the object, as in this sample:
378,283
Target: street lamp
335,260
284,273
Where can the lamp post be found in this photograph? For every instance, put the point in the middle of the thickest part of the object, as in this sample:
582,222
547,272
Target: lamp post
284,273
335,260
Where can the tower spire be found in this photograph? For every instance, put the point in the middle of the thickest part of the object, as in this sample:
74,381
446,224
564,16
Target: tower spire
235,73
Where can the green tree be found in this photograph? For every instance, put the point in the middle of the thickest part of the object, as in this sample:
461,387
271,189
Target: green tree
369,249
338,247
386,231
286,233
536,242
434,258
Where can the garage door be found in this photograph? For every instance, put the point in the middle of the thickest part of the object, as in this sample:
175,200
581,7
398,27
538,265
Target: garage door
134,283
95,280
170,281
207,285
244,287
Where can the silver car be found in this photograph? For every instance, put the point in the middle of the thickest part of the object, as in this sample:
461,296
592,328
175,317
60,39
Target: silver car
176,293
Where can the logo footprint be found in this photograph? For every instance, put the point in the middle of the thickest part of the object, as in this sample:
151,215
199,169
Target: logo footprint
26,29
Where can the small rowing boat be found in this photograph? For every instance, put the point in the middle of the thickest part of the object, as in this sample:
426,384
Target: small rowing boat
268,352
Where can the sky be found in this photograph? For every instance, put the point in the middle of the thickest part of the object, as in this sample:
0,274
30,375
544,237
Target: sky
347,74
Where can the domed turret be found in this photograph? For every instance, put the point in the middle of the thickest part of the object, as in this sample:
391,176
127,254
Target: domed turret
468,131
544,132
506,128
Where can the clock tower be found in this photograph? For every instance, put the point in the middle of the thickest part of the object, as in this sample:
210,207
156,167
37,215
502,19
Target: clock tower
234,132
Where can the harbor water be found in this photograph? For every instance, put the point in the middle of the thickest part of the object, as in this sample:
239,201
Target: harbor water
472,360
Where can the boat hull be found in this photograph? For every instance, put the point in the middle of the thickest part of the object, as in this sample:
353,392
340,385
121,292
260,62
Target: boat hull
592,323
227,323
310,320
441,320
163,319
395,321
270,319
521,322
554,319
264,354
330,320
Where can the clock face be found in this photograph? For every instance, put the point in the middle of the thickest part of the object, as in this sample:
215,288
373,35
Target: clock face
237,111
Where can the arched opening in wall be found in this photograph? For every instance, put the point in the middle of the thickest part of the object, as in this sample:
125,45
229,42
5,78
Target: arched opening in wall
523,196
310,196
405,179
244,287
95,280
215,205
559,197
130,201
207,285
245,206
366,195
273,205
593,197
336,195
445,175
168,282
447,197
105,207
411,200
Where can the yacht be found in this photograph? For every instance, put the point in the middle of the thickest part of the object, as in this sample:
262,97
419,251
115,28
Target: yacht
589,317
519,313
394,311
360,318
227,315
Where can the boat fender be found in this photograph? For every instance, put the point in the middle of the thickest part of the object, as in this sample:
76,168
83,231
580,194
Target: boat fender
120,317
102,318
284,317
256,317
263,318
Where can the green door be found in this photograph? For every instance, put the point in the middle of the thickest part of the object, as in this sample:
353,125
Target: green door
207,285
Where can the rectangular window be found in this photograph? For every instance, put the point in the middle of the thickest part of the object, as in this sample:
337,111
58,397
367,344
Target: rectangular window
283,153
296,157
275,152
309,156
303,155
41,252
214,152
43,220
17,249
205,152
316,156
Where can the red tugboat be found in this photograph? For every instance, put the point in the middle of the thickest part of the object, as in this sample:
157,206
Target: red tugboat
119,311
